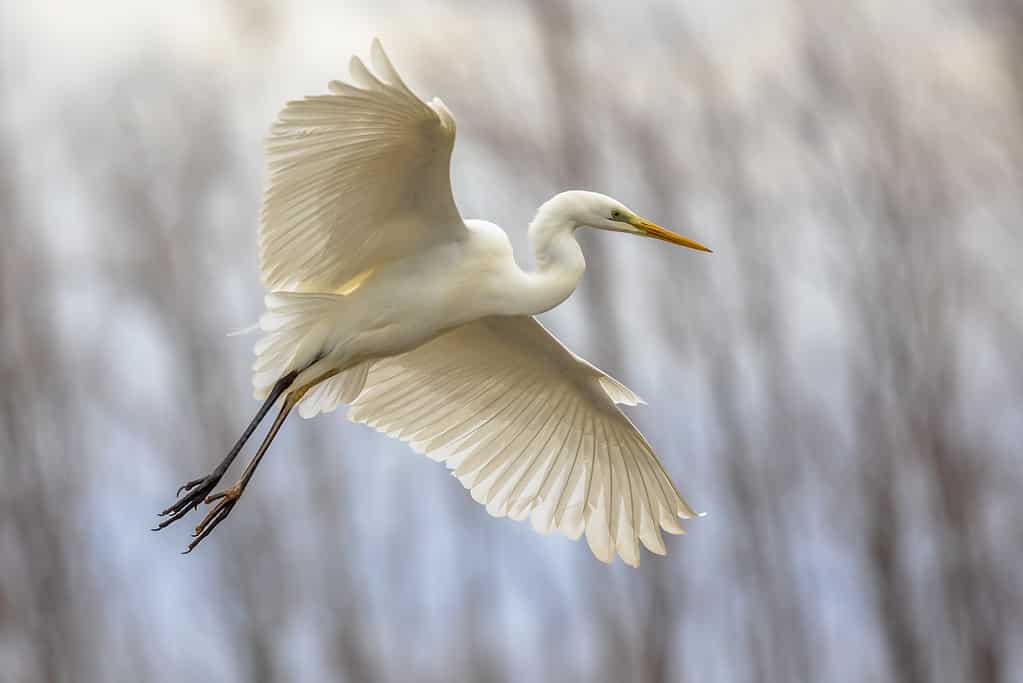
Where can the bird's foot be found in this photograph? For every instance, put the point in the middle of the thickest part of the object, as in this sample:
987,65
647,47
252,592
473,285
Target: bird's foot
217,514
196,491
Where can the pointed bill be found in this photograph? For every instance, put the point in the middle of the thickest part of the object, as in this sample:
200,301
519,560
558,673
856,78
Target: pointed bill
657,232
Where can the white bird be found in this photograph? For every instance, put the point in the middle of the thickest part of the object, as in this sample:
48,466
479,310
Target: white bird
382,297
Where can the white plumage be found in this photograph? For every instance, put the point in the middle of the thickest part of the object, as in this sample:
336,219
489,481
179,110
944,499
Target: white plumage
383,298
357,177
532,430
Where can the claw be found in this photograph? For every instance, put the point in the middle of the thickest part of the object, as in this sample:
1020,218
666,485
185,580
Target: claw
177,515
228,499
189,486
197,489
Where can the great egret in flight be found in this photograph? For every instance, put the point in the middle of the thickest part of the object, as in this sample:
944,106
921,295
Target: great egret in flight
382,297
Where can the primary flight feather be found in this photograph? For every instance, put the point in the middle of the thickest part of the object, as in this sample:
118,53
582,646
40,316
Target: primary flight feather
383,298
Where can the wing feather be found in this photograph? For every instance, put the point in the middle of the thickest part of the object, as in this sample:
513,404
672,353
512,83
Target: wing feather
521,461
357,178
520,494
532,430
543,519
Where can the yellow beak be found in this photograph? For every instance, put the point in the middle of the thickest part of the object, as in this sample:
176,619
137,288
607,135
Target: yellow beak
657,232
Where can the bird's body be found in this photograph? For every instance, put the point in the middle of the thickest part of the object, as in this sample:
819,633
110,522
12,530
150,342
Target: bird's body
382,297
394,307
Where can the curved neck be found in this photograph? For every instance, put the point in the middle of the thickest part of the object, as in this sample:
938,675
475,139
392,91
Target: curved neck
559,261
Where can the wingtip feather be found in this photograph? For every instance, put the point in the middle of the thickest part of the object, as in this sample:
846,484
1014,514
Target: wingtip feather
361,75
383,65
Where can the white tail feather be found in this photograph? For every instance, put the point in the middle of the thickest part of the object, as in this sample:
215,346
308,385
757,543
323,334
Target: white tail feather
298,327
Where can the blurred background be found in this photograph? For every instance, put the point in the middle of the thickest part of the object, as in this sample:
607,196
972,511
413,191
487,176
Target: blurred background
838,386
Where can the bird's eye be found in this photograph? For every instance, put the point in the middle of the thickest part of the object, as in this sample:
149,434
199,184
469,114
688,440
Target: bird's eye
616,214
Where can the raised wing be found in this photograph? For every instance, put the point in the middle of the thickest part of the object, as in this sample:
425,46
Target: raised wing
532,430
356,178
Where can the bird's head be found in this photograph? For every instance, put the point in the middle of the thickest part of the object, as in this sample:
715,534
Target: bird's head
605,213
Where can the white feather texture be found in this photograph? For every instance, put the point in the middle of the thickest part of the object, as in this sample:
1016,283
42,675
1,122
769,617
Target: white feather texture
356,178
532,430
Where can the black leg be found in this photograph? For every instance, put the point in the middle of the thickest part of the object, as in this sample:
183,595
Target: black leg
229,496
198,489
